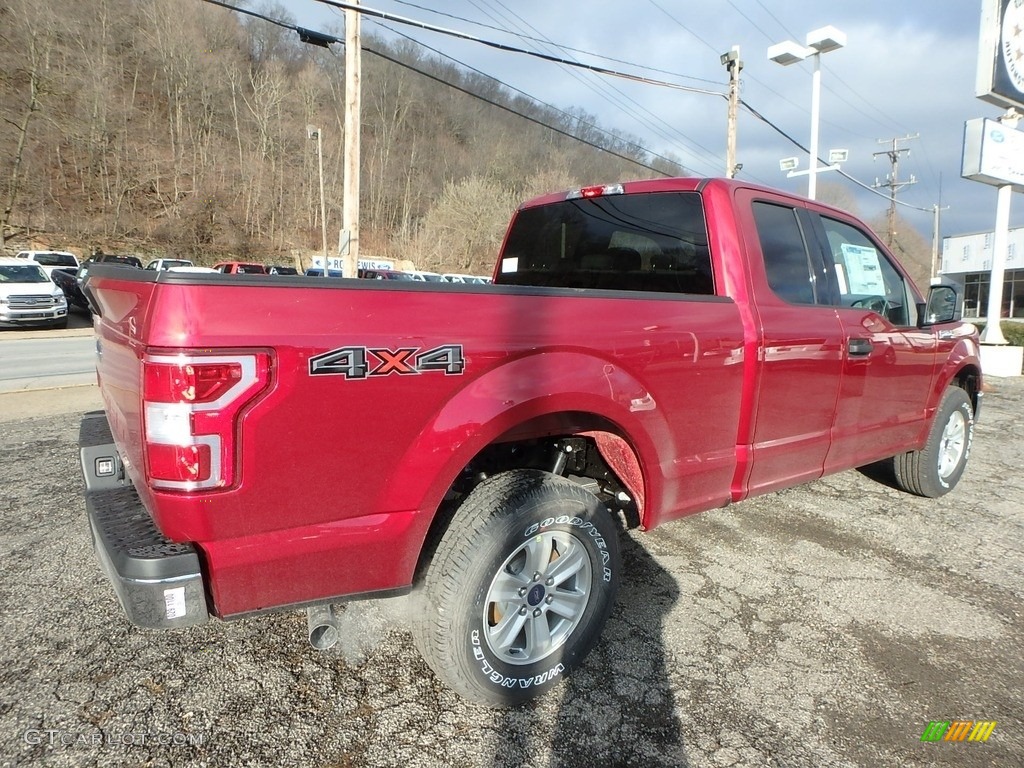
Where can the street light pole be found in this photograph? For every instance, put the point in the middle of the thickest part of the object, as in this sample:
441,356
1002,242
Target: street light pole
789,52
812,177
313,132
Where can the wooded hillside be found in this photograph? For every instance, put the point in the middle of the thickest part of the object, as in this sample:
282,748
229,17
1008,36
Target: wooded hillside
173,127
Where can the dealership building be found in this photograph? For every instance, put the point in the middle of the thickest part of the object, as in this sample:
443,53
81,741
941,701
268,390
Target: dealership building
967,261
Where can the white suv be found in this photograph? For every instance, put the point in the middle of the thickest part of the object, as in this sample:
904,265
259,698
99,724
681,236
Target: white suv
28,296
51,260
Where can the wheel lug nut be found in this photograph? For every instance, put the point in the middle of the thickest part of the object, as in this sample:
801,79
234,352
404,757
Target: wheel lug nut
522,611
549,599
522,591
549,581
536,612
536,576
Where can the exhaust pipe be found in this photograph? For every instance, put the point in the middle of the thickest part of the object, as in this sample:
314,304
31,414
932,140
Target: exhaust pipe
323,626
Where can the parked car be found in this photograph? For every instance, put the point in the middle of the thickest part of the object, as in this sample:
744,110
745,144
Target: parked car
159,264
28,295
240,268
282,270
67,281
106,258
50,260
429,277
385,274
319,272
453,277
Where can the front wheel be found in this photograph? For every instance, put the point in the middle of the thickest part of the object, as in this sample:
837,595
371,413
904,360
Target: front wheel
936,469
519,588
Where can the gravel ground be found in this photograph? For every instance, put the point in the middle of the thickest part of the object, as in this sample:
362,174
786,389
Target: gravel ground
824,625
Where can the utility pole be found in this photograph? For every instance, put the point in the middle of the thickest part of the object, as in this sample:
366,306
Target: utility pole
892,180
731,61
350,197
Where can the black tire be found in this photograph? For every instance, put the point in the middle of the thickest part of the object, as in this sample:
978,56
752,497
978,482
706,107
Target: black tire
936,469
501,622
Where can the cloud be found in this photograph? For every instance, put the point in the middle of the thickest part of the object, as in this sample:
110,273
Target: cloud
908,68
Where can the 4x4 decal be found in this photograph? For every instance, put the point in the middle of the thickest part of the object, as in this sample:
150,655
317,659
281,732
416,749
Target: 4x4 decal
362,362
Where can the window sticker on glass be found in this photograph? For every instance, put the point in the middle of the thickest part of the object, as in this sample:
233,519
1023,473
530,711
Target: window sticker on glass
862,269
510,264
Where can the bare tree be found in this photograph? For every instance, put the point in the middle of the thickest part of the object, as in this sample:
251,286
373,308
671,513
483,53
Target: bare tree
28,34
463,230
142,126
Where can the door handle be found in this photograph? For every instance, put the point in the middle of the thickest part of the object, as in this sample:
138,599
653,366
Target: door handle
859,346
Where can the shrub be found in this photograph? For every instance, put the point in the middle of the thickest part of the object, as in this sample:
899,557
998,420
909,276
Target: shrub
1012,332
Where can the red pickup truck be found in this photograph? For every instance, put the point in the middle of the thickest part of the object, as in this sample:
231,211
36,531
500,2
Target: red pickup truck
647,350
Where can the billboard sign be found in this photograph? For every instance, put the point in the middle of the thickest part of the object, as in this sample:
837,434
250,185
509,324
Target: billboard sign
993,153
1000,77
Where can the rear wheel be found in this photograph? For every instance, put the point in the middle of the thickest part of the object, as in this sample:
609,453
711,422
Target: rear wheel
936,469
519,588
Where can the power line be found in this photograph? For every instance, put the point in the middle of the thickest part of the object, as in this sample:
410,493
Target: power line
775,18
559,45
532,98
618,98
841,172
590,81
499,105
366,11
319,38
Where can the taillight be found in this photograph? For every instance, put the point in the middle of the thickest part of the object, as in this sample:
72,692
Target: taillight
191,405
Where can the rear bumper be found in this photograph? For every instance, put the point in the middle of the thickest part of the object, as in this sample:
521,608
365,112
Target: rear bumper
159,582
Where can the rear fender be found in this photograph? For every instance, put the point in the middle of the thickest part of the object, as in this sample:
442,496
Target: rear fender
515,395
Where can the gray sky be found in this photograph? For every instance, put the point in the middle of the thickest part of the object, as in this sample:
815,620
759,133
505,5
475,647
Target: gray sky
908,68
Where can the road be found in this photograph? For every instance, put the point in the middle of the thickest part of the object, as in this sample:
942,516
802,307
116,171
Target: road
823,625
42,362
46,359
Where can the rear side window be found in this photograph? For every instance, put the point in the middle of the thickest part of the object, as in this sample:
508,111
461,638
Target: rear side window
638,242
786,261
54,259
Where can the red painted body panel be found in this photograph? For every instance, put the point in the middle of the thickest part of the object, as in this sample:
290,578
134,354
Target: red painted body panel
339,478
330,464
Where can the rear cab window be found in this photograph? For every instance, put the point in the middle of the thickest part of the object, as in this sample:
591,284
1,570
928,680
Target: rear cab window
654,242
50,258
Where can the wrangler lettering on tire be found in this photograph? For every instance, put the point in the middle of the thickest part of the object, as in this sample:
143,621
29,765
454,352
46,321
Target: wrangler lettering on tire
519,587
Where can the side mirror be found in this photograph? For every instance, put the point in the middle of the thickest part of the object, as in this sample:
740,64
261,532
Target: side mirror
943,306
